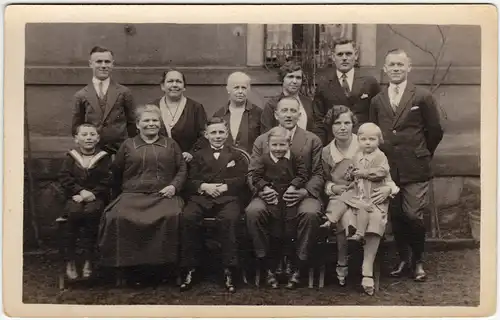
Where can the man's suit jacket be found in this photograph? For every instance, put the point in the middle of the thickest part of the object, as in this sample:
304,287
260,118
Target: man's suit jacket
306,145
249,128
411,134
268,121
230,168
330,93
116,121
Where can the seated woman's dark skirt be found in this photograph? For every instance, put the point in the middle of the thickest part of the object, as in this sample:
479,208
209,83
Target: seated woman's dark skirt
140,229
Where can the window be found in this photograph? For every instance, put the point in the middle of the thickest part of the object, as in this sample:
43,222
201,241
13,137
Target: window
284,42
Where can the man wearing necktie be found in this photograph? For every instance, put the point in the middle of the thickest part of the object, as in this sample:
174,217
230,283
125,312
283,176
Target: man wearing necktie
410,124
104,103
217,177
345,86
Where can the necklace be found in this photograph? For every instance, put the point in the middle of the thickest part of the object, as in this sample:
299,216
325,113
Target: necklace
172,122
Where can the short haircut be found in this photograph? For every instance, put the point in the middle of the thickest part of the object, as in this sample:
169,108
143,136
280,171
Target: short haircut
233,75
344,40
140,110
287,98
371,126
397,51
278,132
86,125
289,67
335,112
101,49
216,120
164,76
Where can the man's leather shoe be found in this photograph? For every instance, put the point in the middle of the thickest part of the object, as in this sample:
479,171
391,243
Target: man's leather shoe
400,270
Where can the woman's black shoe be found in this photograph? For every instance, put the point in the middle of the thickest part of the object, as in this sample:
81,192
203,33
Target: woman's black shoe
400,270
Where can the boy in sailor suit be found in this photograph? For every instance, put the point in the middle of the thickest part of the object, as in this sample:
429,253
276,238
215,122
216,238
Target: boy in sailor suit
85,177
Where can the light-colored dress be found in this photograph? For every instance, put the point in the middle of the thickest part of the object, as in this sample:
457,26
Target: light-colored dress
335,166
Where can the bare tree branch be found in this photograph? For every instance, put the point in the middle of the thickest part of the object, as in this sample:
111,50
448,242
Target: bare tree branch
442,78
412,42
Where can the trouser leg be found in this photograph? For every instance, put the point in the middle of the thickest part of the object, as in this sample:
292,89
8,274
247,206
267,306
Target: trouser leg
415,203
228,216
258,222
191,228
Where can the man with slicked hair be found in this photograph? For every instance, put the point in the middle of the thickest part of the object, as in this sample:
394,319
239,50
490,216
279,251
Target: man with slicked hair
104,103
345,86
409,119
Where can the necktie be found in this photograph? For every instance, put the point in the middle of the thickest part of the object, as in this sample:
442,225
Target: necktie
216,153
101,90
345,84
395,96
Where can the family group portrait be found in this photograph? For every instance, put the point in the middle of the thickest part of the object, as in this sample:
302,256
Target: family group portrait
252,164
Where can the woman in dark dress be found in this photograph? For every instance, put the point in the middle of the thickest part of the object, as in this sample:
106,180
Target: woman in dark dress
184,119
291,76
141,226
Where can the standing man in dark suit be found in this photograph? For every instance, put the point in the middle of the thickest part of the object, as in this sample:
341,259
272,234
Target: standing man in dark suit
410,123
345,86
291,76
217,175
242,116
306,145
104,103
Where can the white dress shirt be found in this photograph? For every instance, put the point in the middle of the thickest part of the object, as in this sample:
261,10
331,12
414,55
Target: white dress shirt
105,85
395,99
350,77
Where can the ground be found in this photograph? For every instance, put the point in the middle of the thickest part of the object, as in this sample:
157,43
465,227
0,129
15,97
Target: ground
453,281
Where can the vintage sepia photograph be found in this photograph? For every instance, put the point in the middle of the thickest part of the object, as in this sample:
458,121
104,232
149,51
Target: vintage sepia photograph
324,162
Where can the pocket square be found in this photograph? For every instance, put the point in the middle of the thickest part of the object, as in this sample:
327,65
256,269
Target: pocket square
414,108
231,164
364,96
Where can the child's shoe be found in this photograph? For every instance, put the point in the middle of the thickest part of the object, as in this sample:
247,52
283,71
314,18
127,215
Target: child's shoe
71,270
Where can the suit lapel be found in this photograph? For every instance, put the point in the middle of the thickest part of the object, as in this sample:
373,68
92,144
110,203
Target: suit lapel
112,94
91,96
386,102
217,165
337,89
404,106
299,141
357,83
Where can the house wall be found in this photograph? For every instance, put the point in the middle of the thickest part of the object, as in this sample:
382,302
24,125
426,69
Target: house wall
57,67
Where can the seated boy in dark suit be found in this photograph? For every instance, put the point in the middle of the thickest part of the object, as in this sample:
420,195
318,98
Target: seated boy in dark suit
280,170
217,176
86,180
